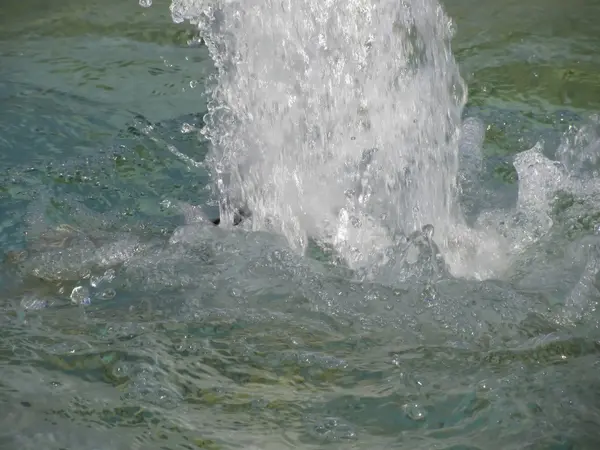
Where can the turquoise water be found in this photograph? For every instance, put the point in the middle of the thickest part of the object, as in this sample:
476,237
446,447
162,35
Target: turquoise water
128,322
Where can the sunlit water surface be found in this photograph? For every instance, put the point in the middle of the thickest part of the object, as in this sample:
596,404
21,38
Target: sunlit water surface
420,267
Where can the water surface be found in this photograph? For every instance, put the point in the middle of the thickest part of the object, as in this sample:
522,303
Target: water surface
127,321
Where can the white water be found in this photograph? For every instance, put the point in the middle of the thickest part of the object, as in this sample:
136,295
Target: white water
339,121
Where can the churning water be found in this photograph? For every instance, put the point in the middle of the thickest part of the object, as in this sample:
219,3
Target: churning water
341,122
336,121
396,281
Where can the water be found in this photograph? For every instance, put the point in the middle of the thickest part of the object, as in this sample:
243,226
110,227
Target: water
307,135
420,266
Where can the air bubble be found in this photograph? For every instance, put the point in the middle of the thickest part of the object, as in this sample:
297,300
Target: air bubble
187,128
80,296
107,294
107,277
428,231
95,281
414,411
332,429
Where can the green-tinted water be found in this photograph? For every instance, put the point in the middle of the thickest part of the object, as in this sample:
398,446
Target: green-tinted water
117,334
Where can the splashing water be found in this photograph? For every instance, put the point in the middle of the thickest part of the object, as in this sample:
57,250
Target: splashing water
339,121
334,120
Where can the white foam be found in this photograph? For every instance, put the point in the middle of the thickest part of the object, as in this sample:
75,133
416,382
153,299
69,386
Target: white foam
306,88
340,121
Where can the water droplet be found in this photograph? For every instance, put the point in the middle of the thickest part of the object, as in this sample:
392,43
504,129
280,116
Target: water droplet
414,411
145,3
483,386
193,84
80,296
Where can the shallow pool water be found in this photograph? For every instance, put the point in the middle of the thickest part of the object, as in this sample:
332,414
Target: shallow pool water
129,321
